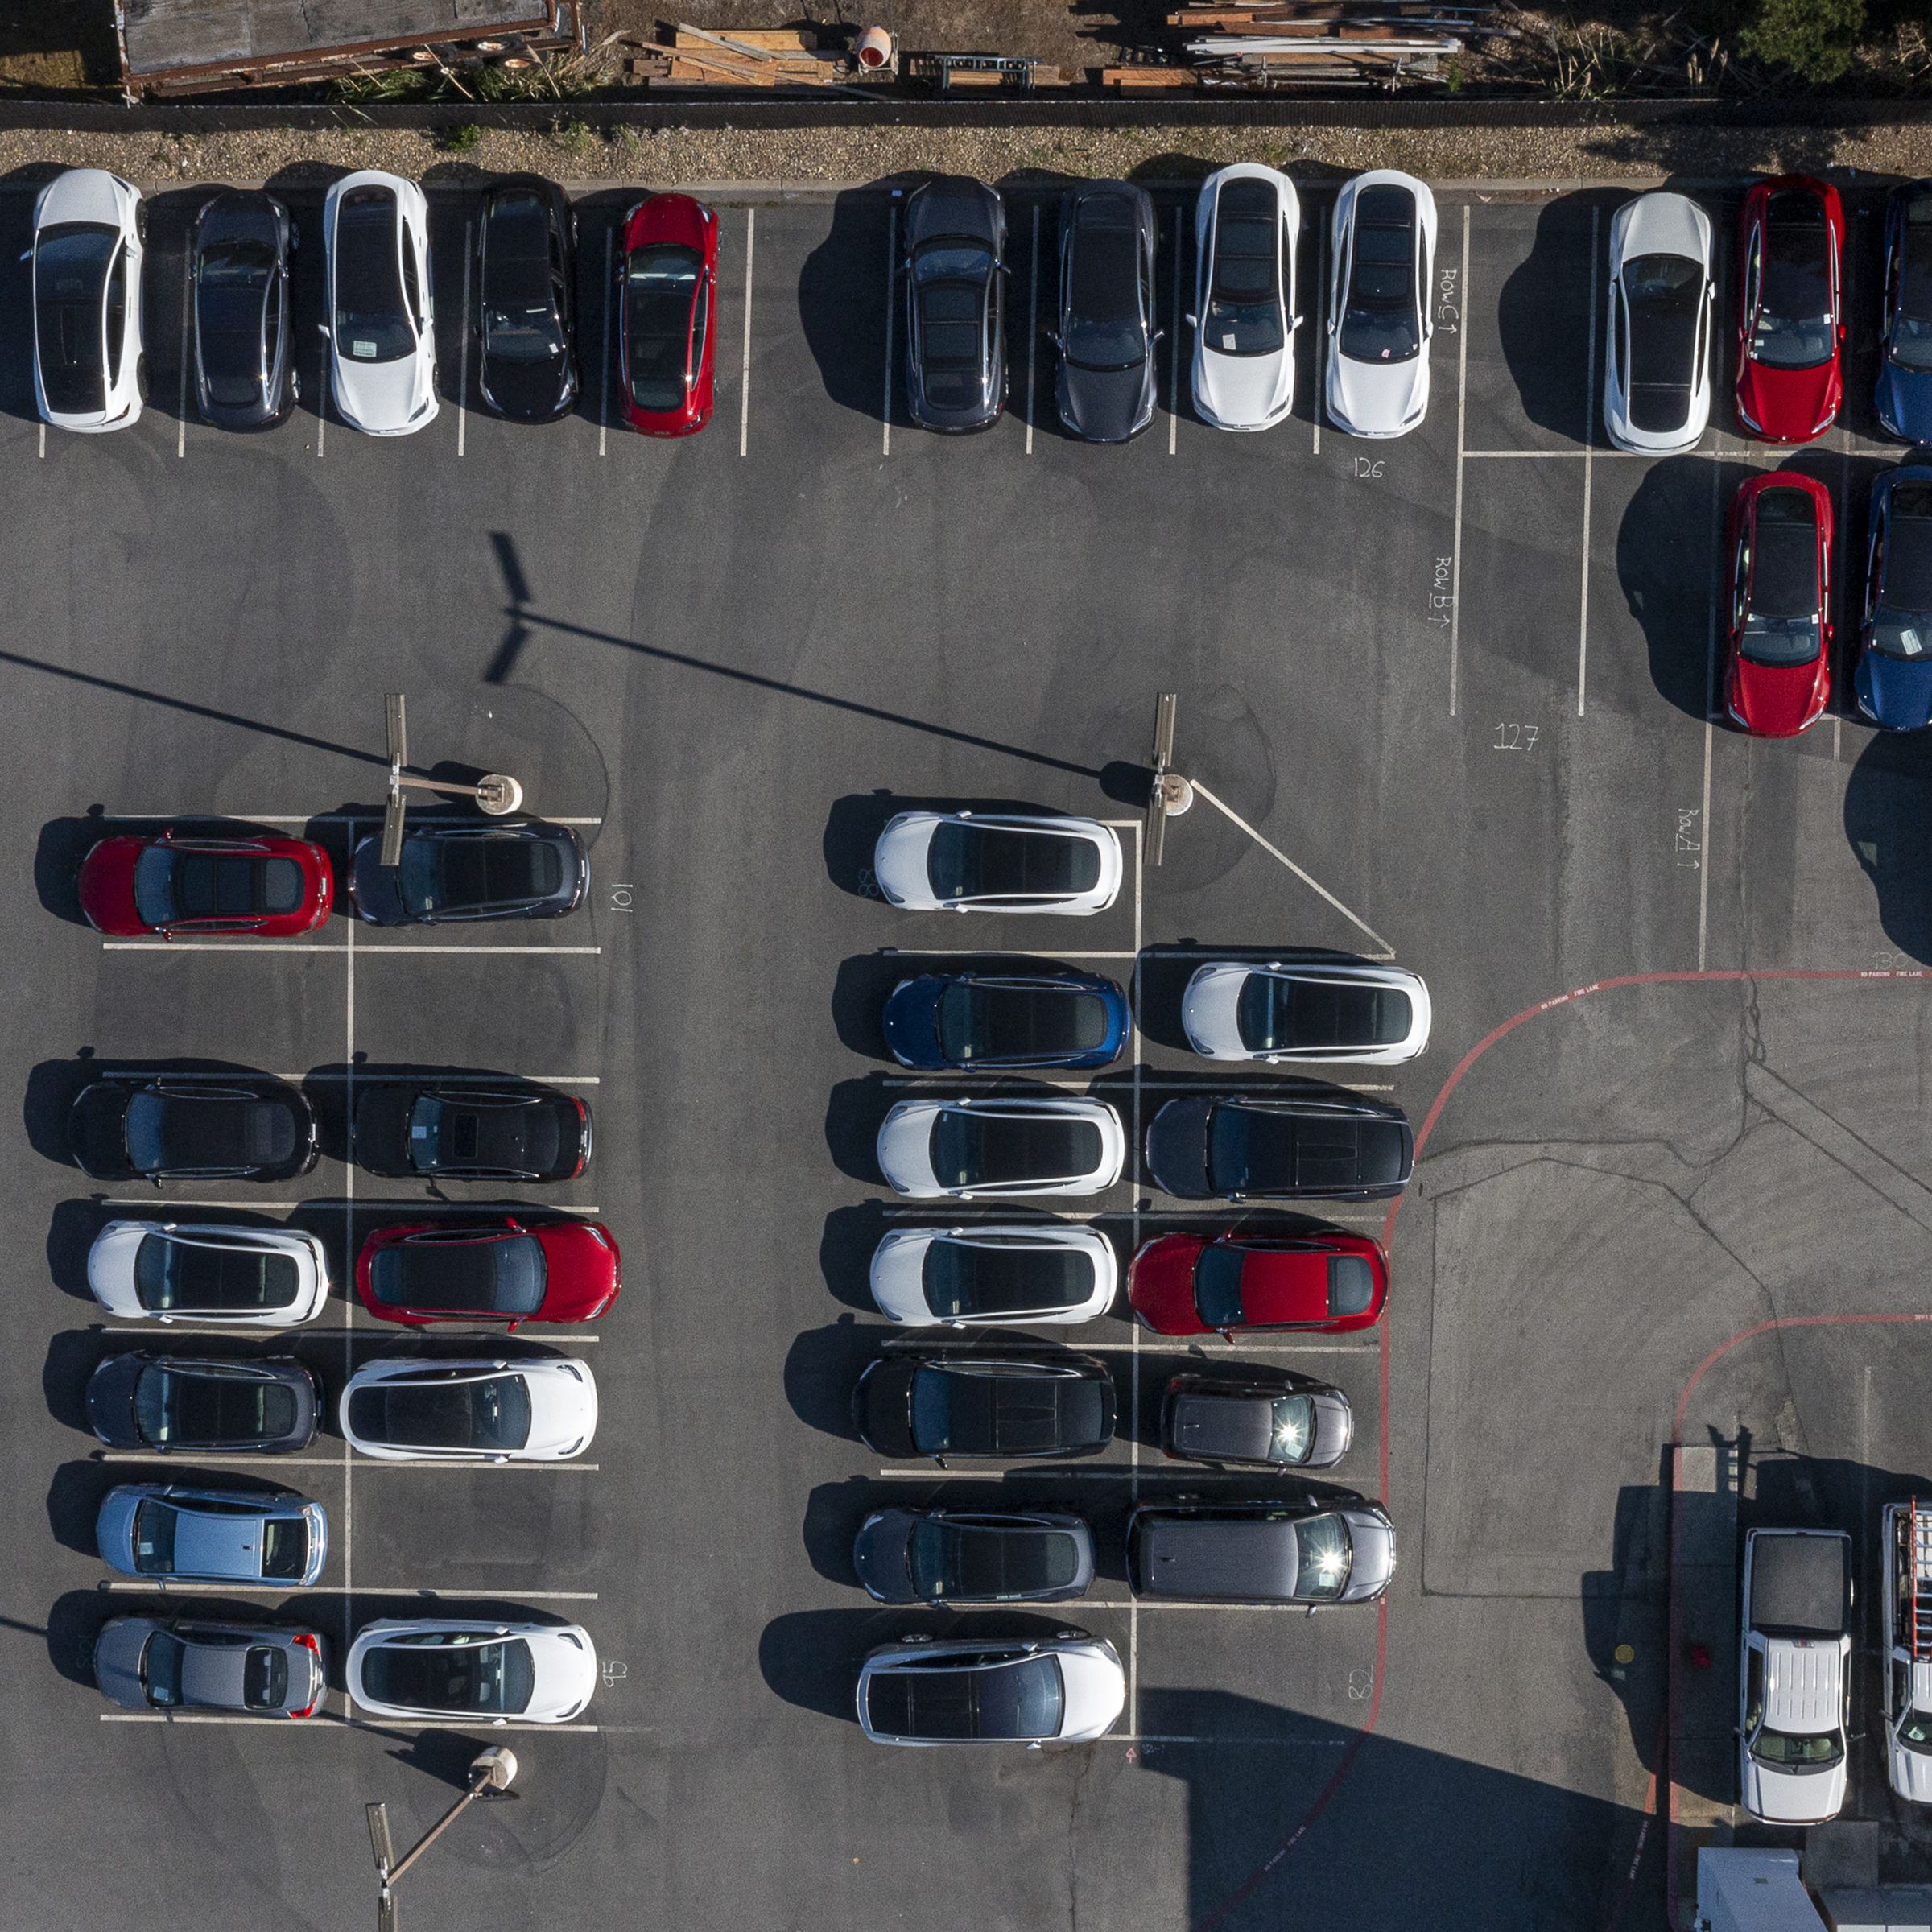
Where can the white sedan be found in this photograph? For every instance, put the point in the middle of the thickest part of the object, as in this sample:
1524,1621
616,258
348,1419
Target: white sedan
167,1271
541,1410
1246,224
1310,1013
382,330
1065,1689
994,1276
1656,348
1379,304
472,1673
89,372
961,1149
965,861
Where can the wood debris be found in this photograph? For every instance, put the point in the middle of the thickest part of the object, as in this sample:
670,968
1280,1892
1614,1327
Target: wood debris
1284,43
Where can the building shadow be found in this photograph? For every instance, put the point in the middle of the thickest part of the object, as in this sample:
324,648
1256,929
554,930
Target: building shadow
1887,820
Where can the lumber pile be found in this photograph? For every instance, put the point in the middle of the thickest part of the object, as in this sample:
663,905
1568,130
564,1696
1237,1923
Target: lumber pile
1284,43
780,56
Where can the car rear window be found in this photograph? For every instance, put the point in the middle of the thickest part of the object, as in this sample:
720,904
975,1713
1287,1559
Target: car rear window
985,1151
449,1675
1277,1014
978,1022
1662,293
265,1678
475,1277
660,289
964,1280
372,320
470,1414
989,1560
171,1275
477,873
70,262
1351,1285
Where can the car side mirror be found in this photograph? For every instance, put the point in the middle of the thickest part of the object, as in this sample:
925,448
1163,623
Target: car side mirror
1160,335
322,330
1053,337
1035,1745
1192,320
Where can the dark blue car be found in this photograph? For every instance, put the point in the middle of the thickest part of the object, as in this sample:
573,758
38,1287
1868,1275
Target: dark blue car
1904,397
1893,679
967,1020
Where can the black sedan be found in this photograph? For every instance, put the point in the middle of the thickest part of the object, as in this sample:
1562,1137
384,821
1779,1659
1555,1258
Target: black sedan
245,367
193,1126
525,240
955,304
453,873
943,1020
1106,336
1259,1418
1002,1407
165,1403
966,1556
472,1131
1334,1147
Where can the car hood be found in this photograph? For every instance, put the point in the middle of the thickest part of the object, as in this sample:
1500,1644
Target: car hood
1372,1559
1898,694
114,1528
1904,401
1776,700
118,1661
562,1408
1245,391
880,1405
911,1019
1160,1285
1177,1149
1787,403
1378,397
898,859
372,886
1911,1773
1106,405
566,1671
1209,1011
528,392
1095,1691
1334,1430
110,1266
82,194
878,1556
382,397
1780,1797
107,886
1664,225
905,1147
953,204
898,1274
111,1400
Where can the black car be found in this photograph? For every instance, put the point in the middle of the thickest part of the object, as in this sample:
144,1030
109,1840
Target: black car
1259,1418
471,1131
450,873
1335,1146
1004,1407
525,241
245,369
198,1126
1106,335
165,1403
1307,1552
967,1556
955,304
943,1020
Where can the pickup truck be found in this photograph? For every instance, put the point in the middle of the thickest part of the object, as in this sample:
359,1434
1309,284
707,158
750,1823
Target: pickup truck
1794,1695
1906,1544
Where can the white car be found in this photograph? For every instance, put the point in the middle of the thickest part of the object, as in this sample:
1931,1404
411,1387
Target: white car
983,1276
541,1410
89,372
964,861
1657,345
962,1149
381,326
1381,277
1246,224
1308,1013
1068,1689
168,1271
473,1673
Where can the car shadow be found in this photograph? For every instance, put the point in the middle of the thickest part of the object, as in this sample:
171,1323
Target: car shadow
1888,821
1163,972
71,1234
62,844
833,1513
859,994
845,1251
52,1088
600,217
1543,315
19,192
74,1623
845,286
855,822
822,1369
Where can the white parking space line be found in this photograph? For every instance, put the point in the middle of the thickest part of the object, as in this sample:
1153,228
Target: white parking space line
1704,870
349,1250
751,231
44,441
463,346
367,1079
1582,612
1032,325
368,1204
327,1720
1462,418
322,371
1179,1342
243,948
892,277
610,303
120,1586
997,952
344,1462
187,280
323,818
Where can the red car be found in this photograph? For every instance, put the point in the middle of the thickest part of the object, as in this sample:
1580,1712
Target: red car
494,1271
273,887
1777,654
668,291
1791,246
1190,1284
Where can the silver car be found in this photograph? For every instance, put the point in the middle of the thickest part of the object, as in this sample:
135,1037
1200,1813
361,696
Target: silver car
146,1664
168,1532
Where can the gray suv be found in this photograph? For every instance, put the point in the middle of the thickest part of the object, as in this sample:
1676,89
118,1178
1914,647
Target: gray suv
1315,1551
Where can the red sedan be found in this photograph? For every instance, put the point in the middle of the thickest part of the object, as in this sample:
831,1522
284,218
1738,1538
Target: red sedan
667,295
1791,246
495,1271
1778,654
1188,1284
273,887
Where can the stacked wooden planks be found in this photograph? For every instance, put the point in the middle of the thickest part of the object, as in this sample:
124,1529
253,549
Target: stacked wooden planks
1277,44
781,56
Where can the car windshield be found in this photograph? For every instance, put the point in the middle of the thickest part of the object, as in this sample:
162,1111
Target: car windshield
1382,320
1351,1285
1244,313
70,262
265,1677
1217,1285
966,1280
154,1521
1914,1732
1103,326
471,1413
486,1134
1782,621
1292,1434
1662,295
171,1275
1259,1150
660,298
1901,625
478,874
949,284
1321,1557
1794,327
463,1275
977,861
231,286
441,1672
1792,1752
987,1560
161,1667
979,1022
372,322
185,1407
1912,318
984,1150
942,1700
173,884
1277,1014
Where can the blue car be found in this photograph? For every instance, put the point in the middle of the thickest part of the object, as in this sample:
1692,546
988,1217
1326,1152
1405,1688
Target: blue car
1904,397
944,1021
1893,679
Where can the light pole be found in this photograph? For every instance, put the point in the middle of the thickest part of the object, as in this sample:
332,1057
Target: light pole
495,793
1169,795
491,1771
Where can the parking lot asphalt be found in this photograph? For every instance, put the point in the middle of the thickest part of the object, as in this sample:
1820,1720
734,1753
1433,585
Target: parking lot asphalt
1452,696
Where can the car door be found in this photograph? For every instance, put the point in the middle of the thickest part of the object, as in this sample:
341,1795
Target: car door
1875,559
114,321
1753,268
700,333
413,281
1741,577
